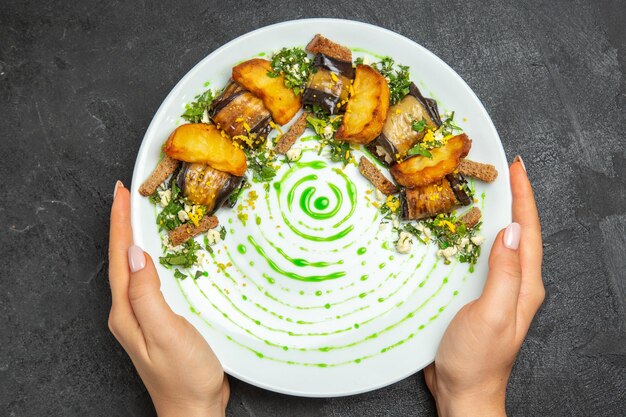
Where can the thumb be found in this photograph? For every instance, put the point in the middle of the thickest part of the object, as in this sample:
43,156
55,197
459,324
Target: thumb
144,292
499,298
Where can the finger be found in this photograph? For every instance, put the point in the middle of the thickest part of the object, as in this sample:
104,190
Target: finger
122,321
120,239
152,311
530,252
498,303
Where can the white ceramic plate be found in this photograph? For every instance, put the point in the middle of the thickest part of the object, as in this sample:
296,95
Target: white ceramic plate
372,316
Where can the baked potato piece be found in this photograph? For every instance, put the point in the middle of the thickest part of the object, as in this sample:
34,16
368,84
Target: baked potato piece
419,170
205,144
282,103
367,107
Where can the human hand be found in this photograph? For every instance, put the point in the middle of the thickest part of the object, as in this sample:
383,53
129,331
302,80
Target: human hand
476,355
176,364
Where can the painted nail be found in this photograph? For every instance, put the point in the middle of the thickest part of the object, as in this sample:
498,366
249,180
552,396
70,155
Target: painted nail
520,160
511,236
118,184
136,258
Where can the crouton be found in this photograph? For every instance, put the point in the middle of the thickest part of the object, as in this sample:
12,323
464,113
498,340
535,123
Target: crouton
369,171
483,172
322,45
188,230
164,169
294,132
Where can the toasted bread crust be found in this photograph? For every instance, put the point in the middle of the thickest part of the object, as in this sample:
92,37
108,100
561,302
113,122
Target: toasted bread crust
480,171
369,171
186,231
288,139
322,45
472,217
164,169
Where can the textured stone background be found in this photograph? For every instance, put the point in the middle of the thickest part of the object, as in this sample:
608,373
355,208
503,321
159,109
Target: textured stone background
80,82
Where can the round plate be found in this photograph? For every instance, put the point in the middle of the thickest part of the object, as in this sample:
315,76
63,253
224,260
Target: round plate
309,296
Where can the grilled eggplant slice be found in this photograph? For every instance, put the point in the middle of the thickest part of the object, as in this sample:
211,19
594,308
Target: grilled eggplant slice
419,170
398,135
204,185
329,86
427,201
367,107
241,115
460,188
281,101
205,144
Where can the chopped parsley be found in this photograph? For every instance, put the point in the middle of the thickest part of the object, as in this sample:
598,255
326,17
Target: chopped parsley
222,233
419,149
449,127
397,76
325,126
419,125
295,65
200,274
261,164
168,219
194,111
389,208
185,258
179,275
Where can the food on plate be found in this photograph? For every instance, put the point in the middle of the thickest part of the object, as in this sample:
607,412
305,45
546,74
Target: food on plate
205,144
232,140
407,123
280,100
421,170
204,185
373,174
367,107
478,170
428,201
241,115
287,140
322,45
472,217
188,230
166,167
329,87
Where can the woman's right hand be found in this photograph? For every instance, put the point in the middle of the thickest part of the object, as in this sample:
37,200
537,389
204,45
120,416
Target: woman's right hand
476,355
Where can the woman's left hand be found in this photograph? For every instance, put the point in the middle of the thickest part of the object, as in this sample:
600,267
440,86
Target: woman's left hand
179,369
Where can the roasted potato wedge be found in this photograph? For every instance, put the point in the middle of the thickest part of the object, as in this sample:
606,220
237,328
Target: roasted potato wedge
205,144
367,107
282,103
419,170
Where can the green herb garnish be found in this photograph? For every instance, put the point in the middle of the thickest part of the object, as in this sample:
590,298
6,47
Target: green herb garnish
200,274
449,127
194,111
419,125
222,233
419,149
179,275
168,219
397,76
295,65
185,258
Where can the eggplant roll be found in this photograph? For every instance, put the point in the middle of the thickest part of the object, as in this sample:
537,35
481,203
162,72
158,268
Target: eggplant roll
430,200
237,110
329,86
204,185
398,135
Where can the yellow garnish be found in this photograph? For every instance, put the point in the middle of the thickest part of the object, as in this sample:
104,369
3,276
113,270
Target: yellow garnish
197,212
450,226
393,203
334,77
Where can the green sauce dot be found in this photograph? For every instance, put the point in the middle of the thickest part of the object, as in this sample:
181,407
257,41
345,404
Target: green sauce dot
244,298
242,249
363,295
356,325
321,203
258,220
361,251
455,293
257,322
391,257
251,263
285,348
364,277
230,221
318,293
232,231
421,327
381,266
380,300
362,262
357,361
301,292
327,306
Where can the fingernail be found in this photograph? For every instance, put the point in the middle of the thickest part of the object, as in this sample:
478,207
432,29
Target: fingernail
136,258
520,160
118,184
511,236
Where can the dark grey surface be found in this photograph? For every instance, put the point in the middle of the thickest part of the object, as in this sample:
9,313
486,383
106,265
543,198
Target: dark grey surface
80,82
